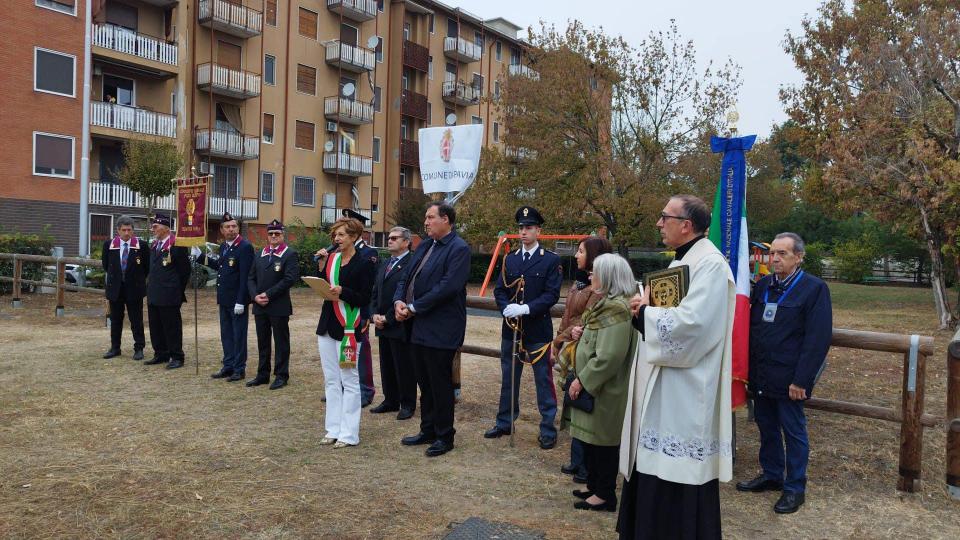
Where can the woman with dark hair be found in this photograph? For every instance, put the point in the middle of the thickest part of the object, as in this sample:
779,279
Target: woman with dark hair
580,297
351,278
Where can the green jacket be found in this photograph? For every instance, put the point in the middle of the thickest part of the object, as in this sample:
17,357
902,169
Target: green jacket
604,355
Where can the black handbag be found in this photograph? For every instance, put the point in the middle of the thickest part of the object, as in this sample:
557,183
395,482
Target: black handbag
584,401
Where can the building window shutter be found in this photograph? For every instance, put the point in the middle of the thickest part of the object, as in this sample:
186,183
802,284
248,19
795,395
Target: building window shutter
267,127
308,23
304,135
306,79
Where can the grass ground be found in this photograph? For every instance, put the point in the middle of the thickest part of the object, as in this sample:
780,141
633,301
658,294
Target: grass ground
94,448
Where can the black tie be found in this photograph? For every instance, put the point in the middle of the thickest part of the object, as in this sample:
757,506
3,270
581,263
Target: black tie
526,256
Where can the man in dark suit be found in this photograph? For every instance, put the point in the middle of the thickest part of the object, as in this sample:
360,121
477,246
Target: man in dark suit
528,287
432,296
169,274
233,269
365,360
396,367
125,265
791,325
271,276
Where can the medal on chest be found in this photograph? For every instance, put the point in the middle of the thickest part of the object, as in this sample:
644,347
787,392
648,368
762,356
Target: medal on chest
166,258
138,261
231,261
276,267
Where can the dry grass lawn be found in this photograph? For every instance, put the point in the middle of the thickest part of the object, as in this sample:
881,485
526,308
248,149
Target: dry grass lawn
94,448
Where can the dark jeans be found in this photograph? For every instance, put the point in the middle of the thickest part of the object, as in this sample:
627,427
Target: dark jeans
133,305
396,374
602,463
576,457
782,420
434,368
166,332
279,327
233,338
365,368
546,390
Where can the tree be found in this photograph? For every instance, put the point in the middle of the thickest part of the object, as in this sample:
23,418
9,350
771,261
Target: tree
880,115
408,210
149,168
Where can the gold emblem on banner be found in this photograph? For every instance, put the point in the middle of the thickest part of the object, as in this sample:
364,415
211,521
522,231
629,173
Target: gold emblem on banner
191,209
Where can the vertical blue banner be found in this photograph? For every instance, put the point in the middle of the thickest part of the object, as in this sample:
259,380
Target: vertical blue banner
728,204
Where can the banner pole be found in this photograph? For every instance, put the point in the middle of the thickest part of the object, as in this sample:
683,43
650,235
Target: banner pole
196,310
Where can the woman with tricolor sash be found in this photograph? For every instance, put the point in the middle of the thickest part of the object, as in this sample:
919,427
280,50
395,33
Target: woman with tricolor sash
351,280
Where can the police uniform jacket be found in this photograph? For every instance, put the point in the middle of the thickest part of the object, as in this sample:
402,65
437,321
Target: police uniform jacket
370,254
169,274
541,291
793,348
274,274
233,269
138,266
381,300
356,282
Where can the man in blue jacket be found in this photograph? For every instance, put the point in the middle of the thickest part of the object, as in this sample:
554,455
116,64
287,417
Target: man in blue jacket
432,297
791,327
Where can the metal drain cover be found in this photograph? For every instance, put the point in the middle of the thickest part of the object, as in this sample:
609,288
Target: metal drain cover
476,529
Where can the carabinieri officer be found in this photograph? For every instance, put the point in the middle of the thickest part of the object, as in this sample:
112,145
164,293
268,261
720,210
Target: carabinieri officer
528,287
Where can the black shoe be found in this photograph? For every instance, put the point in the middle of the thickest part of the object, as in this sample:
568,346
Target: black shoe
605,506
174,364
153,361
111,353
404,414
584,495
236,376
257,382
418,439
138,354
580,478
438,448
546,442
278,383
495,432
759,484
222,374
384,408
569,468
789,503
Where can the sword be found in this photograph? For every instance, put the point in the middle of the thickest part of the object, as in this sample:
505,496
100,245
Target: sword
513,377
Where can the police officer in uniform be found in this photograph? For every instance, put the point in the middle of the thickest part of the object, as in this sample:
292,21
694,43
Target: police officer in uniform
365,362
126,265
271,276
528,287
169,275
233,269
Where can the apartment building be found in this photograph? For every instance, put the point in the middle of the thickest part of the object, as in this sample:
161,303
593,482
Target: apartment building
298,109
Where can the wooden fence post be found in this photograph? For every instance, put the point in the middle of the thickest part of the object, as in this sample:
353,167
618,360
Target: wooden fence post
911,430
953,416
17,273
61,278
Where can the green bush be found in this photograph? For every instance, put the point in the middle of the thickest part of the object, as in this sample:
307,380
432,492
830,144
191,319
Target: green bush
28,244
813,259
854,259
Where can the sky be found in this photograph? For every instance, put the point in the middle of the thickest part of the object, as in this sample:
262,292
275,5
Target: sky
751,32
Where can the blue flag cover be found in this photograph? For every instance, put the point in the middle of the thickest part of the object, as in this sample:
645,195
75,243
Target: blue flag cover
731,196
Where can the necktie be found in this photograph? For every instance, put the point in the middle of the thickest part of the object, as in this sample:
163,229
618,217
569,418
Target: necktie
526,256
413,278
393,261
124,254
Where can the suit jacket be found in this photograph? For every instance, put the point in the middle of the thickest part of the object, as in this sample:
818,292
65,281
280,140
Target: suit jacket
356,281
233,269
541,290
440,292
381,300
274,275
169,274
372,255
134,283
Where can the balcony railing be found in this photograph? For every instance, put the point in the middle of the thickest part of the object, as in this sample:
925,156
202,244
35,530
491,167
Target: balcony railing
228,82
347,111
245,208
107,194
111,115
409,153
350,57
461,49
460,93
227,144
230,18
345,164
526,71
414,104
355,10
519,153
416,56
329,214
117,38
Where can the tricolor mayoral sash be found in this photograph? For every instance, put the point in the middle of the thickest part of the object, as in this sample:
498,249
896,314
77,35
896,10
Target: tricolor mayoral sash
349,317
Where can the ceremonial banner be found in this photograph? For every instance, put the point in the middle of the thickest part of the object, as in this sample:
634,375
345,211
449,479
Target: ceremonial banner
728,231
449,157
192,211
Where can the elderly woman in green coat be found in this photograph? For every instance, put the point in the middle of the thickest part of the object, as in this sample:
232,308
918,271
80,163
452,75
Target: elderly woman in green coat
603,368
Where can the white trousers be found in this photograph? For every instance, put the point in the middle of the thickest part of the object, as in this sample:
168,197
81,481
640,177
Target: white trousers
342,388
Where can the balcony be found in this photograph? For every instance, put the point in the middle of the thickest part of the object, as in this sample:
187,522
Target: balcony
226,144
519,153
230,18
347,111
329,214
350,57
409,153
461,50
344,164
243,207
228,82
355,10
414,105
137,49
107,194
523,71
416,56
132,119
460,93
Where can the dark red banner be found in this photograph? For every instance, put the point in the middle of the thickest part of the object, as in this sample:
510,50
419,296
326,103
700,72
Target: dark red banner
192,211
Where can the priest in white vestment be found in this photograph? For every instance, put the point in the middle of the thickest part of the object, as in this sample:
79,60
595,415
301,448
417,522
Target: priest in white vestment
677,431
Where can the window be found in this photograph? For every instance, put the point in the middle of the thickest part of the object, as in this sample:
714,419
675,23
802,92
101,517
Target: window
405,81
446,114
63,6
330,200
52,155
271,12
269,70
173,103
226,182
478,38
403,177
308,23
514,56
266,187
404,127
376,150
476,120
380,5
496,89
375,199
496,132
429,113
267,128
379,50
431,23
452,29
478,83
499,50
451,74
303,193
306,80
118,90
305,132
54,72
430,67
406,31
122,15
377,93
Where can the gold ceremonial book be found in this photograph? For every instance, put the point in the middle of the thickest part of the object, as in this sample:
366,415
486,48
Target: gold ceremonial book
320,285
669,286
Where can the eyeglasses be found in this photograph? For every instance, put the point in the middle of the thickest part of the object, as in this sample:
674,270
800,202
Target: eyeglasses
394,238
275,233
668,216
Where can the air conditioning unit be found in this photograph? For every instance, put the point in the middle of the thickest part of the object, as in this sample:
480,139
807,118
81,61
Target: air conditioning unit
204,168
332,127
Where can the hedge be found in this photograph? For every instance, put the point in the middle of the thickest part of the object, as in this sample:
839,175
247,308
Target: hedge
27,244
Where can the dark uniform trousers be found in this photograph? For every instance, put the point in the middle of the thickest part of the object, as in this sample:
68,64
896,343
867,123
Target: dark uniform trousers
543,379
133,305
365,367
781,420
396,373
166,331
434,370
233,338
279,328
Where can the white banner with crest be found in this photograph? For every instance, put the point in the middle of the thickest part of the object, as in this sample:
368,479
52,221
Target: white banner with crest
449,157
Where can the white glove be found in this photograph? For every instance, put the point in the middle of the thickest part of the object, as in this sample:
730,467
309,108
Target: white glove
238,309
195,251
516,310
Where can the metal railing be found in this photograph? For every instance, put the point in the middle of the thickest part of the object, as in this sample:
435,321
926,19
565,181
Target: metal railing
347,164
229,81
245,208
231,18
120,39
461,48
526,71
228,144
350,57
126,118
357,10
414,104
107,194
329,214
461,92
347,110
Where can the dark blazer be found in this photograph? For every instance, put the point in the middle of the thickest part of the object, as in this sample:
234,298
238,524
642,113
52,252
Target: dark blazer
381,300
169,275
138,266
372,255
274,275
233,270
541,290
440,292
793,348
356,279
